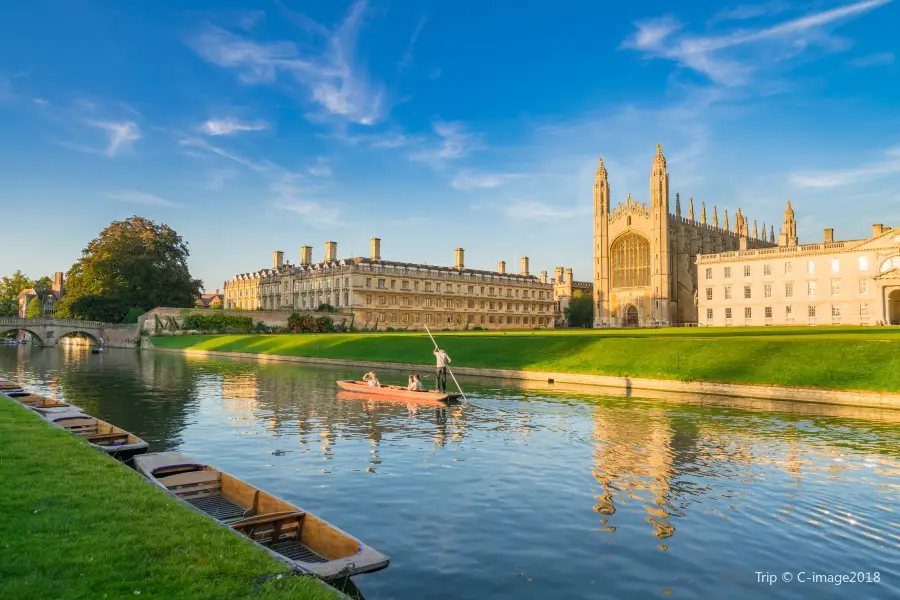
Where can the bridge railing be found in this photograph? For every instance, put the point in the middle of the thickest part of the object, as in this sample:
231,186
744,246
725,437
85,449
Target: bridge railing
53,322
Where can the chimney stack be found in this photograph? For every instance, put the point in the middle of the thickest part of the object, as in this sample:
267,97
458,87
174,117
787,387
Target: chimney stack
375,249
305,256
330,251
543,276
829,235
57,282
877,229
277,259
460,256
569,275
501,267
525,265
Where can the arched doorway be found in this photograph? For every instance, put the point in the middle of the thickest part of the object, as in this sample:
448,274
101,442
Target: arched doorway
894,307
631,316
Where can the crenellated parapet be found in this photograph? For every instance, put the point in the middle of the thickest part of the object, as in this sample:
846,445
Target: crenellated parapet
629,207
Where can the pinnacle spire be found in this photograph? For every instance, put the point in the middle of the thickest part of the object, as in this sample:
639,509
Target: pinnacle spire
677,204
703,212
691,209
727,226
715,216
755,231
772,235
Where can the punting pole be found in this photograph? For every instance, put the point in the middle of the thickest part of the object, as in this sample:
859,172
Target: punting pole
449,370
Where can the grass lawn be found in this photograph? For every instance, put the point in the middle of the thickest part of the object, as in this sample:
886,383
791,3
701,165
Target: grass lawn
864,358
77,524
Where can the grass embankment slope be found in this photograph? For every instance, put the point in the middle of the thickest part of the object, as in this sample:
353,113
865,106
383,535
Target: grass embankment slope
77,524
862,358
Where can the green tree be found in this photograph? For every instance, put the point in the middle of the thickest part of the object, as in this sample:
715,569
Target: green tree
133,263
10,286
35,309
580,311
44,283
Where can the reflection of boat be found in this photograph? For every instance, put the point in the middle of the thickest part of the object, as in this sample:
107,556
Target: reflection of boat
116,442
96,351
395,391
304,540
44,405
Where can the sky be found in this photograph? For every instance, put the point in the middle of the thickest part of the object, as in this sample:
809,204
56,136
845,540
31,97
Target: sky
252,127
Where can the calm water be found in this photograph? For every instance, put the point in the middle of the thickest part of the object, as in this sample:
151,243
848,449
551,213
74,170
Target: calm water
526,494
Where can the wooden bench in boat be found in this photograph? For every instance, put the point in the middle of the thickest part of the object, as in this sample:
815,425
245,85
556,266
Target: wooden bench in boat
100,438
84,427
280,532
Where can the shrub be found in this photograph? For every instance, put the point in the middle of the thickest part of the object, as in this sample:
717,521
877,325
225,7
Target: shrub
218,322
133,315
34,309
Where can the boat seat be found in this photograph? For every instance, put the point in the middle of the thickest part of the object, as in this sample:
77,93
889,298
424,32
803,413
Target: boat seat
272,527
82,427
194,484
106,437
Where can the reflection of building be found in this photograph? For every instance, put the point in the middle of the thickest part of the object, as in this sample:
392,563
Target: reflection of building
564,289
855,282
398,294
644,255
48,298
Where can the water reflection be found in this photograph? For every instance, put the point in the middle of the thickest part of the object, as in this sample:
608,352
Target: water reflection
525,492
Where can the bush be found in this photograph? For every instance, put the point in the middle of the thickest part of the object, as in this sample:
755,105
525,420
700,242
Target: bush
218,322
133,315
34,309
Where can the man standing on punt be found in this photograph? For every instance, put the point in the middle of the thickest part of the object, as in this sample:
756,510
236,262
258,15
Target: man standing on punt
442,361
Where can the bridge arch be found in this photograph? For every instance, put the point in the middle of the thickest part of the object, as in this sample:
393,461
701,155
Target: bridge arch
6,328
77,333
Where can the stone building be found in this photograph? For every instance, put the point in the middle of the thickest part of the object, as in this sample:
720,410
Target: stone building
645,254
854,282
564,289
48,298
386,293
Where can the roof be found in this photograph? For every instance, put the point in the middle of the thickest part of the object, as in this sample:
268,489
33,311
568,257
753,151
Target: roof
41,294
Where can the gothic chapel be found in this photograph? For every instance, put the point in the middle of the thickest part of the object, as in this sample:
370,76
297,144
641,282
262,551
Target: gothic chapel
645,270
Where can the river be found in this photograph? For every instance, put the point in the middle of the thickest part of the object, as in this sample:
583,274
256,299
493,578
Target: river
527,493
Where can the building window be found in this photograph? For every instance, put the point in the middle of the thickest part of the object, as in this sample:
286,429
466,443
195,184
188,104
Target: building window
727,313
708,273
382,300
416,285
448,287
788,268
835,287
748,312
788,312
449,303
630,261
810,266
863,263
482,319
835,265
427,286
709,314
381,283
864,310
405,285
767,269
746,291
789,290
767,290
768,312
746,270
836,311
709,293
812,311
368,283
728,292
863,287
811,289
471,289
727,272
429,302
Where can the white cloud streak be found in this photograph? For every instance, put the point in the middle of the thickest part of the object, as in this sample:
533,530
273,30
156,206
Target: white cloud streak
873,60
135,197
889,165
466,181
531,210
229,126
121,135
454,142
407,59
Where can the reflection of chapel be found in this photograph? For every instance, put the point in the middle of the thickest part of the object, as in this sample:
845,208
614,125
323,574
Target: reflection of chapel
645,270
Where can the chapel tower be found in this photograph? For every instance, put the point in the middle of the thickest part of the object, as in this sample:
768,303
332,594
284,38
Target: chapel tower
659,238
601,246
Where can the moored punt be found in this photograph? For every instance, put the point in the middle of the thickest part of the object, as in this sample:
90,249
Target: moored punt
9,385
44,405
116,442
395,391
302,539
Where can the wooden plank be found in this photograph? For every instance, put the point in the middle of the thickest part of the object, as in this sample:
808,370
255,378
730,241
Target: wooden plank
191,478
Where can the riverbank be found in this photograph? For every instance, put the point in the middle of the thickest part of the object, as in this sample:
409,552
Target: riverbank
845,359
77,524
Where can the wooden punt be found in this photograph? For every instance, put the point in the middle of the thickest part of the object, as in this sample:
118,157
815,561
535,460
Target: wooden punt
116,442
9,385
44,405
395,391
306,541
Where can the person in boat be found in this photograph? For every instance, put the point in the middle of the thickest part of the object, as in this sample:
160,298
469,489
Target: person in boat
442,361
371,380
415,384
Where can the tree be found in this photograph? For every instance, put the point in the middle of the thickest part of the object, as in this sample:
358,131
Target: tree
133,263
44,283
10,286
580,311
35,309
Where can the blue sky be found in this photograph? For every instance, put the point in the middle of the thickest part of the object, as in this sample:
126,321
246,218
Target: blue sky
255,126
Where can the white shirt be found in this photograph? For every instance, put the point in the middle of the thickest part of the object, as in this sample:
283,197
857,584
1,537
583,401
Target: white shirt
442,358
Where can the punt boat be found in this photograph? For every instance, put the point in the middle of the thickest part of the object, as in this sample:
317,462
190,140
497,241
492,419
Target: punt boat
395,391
44,405
306,541
9,385
116,442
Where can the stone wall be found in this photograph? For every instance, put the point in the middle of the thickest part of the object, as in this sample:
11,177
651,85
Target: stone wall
272,318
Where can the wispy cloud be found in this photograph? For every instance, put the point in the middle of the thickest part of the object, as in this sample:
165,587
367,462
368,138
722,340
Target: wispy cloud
889,165
121,135
709,55
219,151
872,60
467,180
532,210
321,168
135,197
288,195
229,126
407,59
337,84
744,12
453,142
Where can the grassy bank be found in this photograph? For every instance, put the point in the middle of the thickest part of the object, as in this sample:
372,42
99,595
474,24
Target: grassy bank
77,524
825,357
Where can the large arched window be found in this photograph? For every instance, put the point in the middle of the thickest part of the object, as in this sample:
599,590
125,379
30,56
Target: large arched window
890,264
630,261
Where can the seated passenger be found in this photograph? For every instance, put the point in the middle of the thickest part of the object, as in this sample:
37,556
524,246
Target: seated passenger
371,379
411,386
417,384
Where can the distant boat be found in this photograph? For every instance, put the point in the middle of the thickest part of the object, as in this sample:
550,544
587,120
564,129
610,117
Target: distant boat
304,540
396,392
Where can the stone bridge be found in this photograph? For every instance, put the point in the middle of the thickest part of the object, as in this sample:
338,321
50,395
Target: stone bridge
48,332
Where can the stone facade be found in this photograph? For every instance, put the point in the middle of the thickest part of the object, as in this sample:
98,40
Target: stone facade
400,295
48,298
645,254
854,282
564,289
